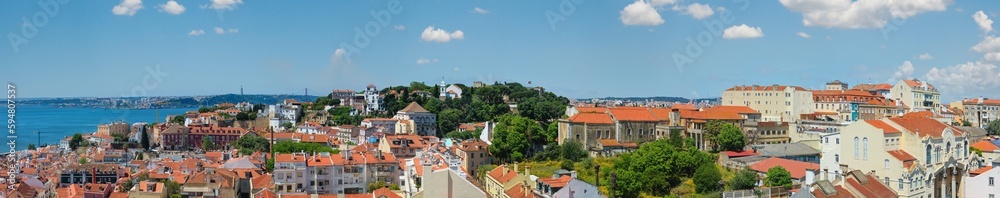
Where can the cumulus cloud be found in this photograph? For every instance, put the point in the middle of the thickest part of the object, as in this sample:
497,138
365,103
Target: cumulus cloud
641,13
989,44
992,57
662,2
196,32
224,4
984,21
860,14
439,35
804,35
172,7
478,10
426,61
965,78
925,56
698,11
127,7
905,71
219,30
742,31
338,55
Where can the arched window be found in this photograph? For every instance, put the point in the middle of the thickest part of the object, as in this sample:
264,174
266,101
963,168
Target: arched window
866,148
928,154
856,144
947,147
886,164
966,146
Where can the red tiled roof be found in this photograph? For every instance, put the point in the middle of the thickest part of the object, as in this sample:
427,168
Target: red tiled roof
985,146
917,83
872,189
796,168
744,153
609,142
764,88
591,109
684,106
841,193
591,118
925,126
734,109
980,171
502,177
886,128
556,182
983,101
663,114
901,155
385,193
633,114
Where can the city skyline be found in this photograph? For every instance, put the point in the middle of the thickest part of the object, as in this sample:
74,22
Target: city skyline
596,49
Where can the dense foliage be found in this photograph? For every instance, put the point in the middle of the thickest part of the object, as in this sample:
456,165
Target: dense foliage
656,167
730,138
571,150
706,178
248,144
511,138
993,127
778,176
744,179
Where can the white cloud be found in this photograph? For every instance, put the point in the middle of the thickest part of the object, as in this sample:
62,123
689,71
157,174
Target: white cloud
925,56
338,55
233,30
965,78
172,7
127,7
478,10
860,14
742,31
196,32
984,21
219,30
225,4
641,13
804,35
440,35
699,11
399,27
662,2
425,61
992,57
905,71
989,44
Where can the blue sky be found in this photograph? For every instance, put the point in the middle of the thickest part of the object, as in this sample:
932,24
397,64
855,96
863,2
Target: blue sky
593,49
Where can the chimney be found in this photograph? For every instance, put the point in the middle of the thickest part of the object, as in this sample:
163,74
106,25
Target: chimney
93,175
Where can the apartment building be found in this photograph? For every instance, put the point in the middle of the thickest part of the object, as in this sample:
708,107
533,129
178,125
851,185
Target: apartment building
980,111
915,155
917,94
774,103
324,173
421,121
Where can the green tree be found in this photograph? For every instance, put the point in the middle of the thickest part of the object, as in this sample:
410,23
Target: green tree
287,126
76,141
744,179
706,178
31,146
730,138
82,160
138,156
207,144
269,165
248,144
778,176
567,164
171,188
178,119
449,119
993,127
242,116
572,150
510,138
144,140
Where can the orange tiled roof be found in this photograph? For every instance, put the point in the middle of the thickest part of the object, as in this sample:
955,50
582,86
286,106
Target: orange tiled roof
556,182
633,114
289,158
385,193
683,106
983,101
733,109
901,155
796,168
985,146
980,171
591,109
591,118
886,128
871,189
503,177
917,83
764,88
925,126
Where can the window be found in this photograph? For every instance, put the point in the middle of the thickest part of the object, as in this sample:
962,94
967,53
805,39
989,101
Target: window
991,181
887,164
901,184
836,158
886,181
928,154
856,147
866,148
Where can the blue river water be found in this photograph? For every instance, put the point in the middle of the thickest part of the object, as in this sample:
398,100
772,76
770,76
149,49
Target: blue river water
54,124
